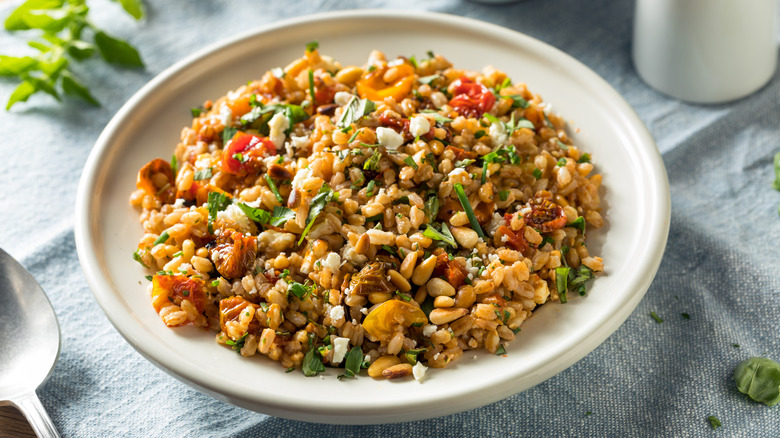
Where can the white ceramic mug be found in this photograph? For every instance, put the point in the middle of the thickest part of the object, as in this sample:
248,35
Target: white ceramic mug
706,51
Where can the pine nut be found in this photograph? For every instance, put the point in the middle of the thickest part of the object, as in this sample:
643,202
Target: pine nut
399,281
407,267
362,244
444,316
379,365
465,297
443,302
438,287
423,271
396,371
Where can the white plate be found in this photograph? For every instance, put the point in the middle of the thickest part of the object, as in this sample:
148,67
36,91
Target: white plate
636,196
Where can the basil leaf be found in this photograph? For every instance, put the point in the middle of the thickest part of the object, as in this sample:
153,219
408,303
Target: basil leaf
14,66
443,236
561,282
318,203
354,110
117,51
579,224
759,378
432,208
312,364
217,202
203,174
227,134
21,94
352,363
428,79
133,7
518,101
437,117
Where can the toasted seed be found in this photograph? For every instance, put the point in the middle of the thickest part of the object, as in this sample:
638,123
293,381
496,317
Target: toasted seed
465,236
396,371
379,365
444,316
443,301
362,244
438,287
399,281
423,271
465,297
407,267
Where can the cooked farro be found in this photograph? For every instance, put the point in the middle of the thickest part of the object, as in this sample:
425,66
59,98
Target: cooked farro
387,215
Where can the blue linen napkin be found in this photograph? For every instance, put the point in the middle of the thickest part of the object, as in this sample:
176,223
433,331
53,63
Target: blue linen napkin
647,379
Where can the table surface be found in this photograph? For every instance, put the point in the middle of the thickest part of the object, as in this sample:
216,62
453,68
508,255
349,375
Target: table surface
661,379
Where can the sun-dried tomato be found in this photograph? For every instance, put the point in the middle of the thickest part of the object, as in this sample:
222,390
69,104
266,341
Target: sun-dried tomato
163,188
244,153
174,289
513,240
233,254
545,216
230,309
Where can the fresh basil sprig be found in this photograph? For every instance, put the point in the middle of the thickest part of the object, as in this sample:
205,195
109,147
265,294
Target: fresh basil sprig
65,37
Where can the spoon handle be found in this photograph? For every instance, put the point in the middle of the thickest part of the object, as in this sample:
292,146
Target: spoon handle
39,420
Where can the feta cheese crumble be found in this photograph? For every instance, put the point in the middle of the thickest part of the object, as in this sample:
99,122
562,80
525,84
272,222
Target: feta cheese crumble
340,346
389,138
277,125
418,371
419,126
498,134
332,261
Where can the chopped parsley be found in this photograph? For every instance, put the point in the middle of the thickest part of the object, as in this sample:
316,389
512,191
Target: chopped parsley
501,350
197,111
436,116
503,195
411,355
410,162
312,46
300,290
537,173
585,158
237,344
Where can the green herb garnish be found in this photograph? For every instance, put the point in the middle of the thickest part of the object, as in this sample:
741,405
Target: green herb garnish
584,158
373,162
237,344
370,188
561,282
411,355
227,134
428,79
436,116
217,202
300,290
161,239
137,257
657,318
62,40
318,203
444,235
410,162
312,363
354,110
537,173
352,363
203,174
174,165
432,208
503,195
714,422
685,316
260,115
312,46
274,190
501,350
464,201
759,378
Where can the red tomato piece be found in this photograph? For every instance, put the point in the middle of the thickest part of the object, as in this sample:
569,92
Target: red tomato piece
167,289
244,152
471,99
545,216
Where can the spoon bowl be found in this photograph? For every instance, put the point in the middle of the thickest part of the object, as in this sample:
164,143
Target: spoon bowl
29,343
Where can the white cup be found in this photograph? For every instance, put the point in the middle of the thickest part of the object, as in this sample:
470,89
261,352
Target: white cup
706,51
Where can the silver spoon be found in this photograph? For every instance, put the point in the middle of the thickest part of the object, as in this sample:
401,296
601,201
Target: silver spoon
29,343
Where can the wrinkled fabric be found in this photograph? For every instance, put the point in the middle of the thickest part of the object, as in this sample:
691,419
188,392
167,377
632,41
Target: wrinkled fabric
647,379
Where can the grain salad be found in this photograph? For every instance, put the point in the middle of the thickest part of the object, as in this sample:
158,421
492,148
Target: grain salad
389,216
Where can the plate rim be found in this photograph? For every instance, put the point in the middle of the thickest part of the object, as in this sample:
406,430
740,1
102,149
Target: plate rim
85,237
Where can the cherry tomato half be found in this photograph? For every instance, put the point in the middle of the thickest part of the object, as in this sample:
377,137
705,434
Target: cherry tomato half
471,99
244,152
